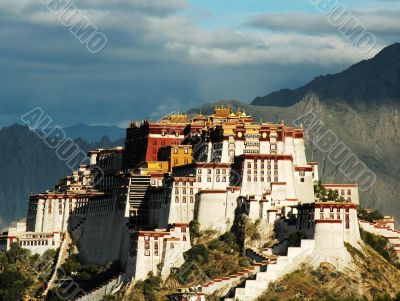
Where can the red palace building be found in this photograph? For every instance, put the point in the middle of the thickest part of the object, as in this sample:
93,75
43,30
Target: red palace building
144,140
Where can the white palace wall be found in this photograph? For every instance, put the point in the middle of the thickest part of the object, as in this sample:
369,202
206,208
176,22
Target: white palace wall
329,244
216,208
51,214
304,187
299,157
104,231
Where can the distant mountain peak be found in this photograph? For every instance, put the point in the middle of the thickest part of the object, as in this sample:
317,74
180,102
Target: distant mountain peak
368,82
93,133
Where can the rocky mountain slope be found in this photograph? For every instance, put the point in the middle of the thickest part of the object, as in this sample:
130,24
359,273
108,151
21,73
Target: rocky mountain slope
29,166
369,83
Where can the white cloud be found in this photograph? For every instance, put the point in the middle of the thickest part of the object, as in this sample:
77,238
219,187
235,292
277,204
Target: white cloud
143,29
376,21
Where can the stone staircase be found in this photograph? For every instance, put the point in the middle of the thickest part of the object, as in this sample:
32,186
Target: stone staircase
393,236
76,230
253,288
224,284
111,286
62,256
78,225
257,257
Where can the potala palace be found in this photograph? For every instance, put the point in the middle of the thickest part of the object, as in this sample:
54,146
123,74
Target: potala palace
133,204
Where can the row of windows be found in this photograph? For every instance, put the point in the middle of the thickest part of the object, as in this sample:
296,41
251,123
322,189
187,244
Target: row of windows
332,216
261,179
186,161
217,179
147,250
262,172
342,191
184,183
35,243
155,182
251,151
263,163
162,142
184,191
184,199
186,150
218,171
331,209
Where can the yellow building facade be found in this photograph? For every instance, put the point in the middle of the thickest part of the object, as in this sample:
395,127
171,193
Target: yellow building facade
175,155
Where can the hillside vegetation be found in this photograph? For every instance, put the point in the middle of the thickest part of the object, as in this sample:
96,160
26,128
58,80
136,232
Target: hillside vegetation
23,274
370,278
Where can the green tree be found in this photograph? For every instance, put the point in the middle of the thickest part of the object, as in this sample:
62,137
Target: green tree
319,190
326,195
369,216
71,265
332,196
150,287
13,285
194,228
17,254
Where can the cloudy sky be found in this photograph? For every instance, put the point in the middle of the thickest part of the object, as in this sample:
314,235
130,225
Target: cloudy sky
164,55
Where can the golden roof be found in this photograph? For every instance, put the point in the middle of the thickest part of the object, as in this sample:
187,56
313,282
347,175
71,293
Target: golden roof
175,118
199,117
222,111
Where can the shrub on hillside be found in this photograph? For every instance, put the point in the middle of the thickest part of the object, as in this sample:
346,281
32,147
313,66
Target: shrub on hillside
150,287
19,271
380,245
220,257
370,216
197,253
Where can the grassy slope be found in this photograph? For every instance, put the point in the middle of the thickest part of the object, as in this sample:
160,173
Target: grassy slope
371,277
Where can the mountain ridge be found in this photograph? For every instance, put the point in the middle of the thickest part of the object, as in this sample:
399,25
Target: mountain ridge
94,133
367,83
